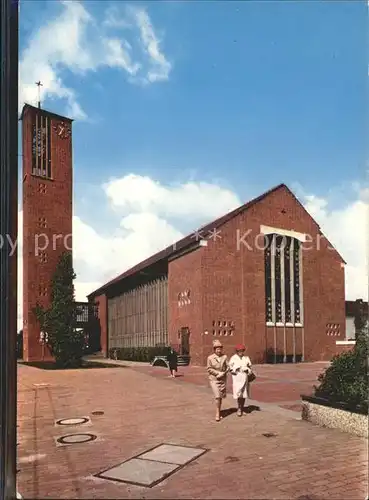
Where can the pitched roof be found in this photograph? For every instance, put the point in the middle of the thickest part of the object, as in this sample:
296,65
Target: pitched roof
44,111
189,239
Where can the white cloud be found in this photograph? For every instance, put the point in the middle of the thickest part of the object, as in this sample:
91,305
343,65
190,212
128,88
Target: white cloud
193,199
153,216
159,67
347,229
77,42
117,54
138,236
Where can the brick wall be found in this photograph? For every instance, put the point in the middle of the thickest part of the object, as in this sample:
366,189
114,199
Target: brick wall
347,347
47,201
184,274
227,285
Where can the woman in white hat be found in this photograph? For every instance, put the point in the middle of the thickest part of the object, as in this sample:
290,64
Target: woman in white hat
217,369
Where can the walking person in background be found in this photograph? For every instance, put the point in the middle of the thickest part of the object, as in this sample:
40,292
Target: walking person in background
241,370
217,370
173,362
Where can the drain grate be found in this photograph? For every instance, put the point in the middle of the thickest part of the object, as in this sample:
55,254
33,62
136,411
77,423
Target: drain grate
76,438
228,460
97,413
269,434
72,421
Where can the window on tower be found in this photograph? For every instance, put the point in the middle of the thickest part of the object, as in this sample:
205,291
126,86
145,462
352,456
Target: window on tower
42,257
283,292
42,222
41,146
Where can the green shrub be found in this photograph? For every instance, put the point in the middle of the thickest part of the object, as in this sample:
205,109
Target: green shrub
346,379
142,354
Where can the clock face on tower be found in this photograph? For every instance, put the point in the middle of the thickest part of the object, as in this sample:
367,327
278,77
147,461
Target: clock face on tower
63,130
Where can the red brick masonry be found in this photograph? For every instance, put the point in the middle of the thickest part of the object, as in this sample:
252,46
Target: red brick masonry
47,223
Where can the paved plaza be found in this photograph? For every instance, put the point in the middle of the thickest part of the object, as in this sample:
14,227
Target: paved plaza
144,435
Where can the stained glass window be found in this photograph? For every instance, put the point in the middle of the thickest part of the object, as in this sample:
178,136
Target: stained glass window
282,279
268,279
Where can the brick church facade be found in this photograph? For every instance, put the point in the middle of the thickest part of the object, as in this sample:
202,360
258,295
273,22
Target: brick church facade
47,214
263,275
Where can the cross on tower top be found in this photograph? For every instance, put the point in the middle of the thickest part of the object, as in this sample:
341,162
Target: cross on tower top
39,85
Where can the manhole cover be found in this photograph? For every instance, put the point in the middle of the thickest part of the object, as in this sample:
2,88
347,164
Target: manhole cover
76,438
96,413
269,435
72,421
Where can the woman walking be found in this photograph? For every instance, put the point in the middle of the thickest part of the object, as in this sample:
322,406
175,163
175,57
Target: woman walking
217,370
241,370
173,362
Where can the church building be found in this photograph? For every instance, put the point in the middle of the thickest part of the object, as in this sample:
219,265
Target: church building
263,275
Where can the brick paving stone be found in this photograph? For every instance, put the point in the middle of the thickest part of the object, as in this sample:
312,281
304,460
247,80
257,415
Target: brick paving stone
143,409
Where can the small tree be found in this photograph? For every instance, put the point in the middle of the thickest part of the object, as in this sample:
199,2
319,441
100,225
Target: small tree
66,343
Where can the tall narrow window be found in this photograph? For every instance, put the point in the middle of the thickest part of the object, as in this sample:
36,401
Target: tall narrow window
287,280
278,279
282,261
41,146
296,281
268,279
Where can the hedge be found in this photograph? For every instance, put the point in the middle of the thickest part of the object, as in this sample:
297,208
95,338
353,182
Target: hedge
143,354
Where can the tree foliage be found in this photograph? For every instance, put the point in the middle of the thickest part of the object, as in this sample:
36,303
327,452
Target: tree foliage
65,342
346,379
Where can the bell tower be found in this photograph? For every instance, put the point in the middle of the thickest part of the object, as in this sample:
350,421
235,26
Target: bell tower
47,213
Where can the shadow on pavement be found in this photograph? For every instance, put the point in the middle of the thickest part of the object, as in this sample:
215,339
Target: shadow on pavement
230,411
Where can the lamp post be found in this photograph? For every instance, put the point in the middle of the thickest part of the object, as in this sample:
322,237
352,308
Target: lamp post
8,233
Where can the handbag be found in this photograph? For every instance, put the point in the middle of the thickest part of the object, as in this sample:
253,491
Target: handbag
251,376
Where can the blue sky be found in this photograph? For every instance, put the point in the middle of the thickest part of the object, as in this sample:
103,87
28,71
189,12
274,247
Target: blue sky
256,93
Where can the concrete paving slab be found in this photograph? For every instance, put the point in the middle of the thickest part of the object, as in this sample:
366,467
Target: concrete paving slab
173,454
139,472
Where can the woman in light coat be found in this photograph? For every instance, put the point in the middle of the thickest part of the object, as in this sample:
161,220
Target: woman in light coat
240,368
217,370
